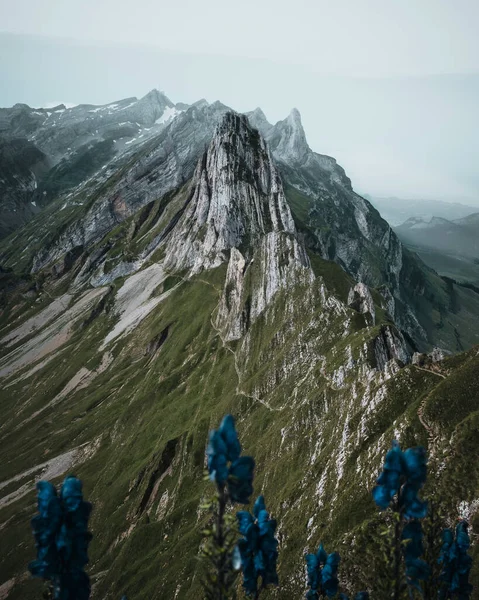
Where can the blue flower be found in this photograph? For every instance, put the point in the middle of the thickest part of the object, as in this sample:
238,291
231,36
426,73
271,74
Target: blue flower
62,538
404,474
456,563
329,575
390,479
71,493
217,458
322,570
226,466
240,480
228,432
258,547
416,569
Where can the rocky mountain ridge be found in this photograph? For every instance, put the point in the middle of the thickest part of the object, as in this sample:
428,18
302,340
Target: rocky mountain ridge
75,143
339,224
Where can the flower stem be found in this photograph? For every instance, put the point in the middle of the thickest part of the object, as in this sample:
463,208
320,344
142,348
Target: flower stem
397,554
220,542
397,562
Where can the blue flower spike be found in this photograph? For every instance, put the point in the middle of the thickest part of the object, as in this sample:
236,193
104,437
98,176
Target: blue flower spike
62,537
226,466
403,475
456,563
322,570
258,548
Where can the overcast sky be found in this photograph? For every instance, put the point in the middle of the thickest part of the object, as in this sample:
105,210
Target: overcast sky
388,87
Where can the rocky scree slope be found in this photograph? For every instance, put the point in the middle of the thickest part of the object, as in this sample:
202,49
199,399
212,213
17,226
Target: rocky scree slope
190,297
21,164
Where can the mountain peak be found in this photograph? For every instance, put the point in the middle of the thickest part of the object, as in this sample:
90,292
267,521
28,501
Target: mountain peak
158,96
236,198
258,120
151,107
259,113
295,117
200,103
288,140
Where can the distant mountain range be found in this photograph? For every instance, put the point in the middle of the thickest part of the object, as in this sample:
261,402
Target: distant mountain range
459,237
449,247
45,152
398,210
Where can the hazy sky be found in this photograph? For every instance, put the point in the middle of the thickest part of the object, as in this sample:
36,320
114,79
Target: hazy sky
388,87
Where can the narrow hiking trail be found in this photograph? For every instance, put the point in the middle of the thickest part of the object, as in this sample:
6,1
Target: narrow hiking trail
431,434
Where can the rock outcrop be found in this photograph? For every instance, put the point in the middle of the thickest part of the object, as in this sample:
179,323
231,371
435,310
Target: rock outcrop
22,165
236,198
138,177
360,299
390,345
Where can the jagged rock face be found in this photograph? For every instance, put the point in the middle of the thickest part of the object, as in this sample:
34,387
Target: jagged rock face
76,142
346,228
361,300
390,344
22,164
163,163
279,263
287,141
237,198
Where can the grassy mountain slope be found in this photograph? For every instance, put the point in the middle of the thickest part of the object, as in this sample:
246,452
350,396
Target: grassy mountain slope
310,409
446,313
